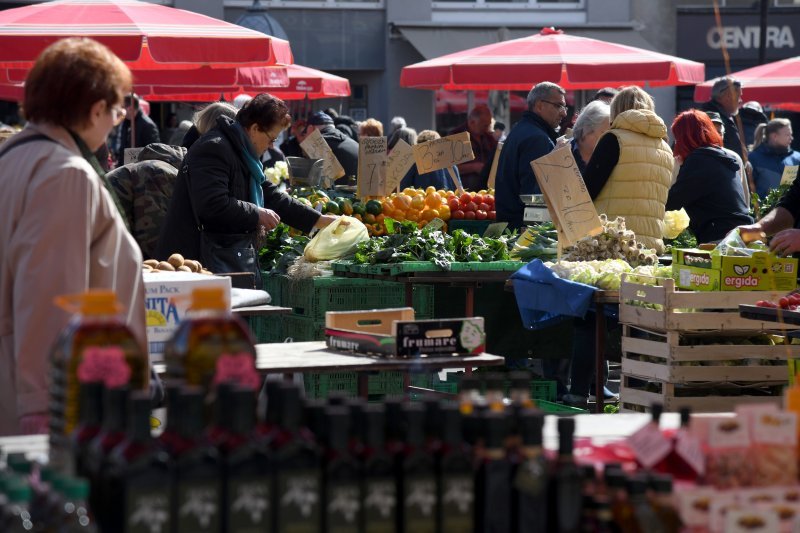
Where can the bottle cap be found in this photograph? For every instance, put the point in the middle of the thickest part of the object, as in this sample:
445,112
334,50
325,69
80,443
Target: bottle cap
611,466
209,298
94,302
530,423
566,432
374,426
470,383
451,430
686,414
657,409
494,381
637,484
662,483
338,427
616,478
589,472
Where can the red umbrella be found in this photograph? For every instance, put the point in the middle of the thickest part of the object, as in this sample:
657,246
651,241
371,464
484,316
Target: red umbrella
145,36
572,62
773,83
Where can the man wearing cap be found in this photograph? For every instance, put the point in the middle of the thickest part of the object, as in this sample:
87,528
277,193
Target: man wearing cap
344,148
726,97
716,119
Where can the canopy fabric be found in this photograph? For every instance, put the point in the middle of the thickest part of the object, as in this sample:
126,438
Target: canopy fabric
772,83
572,62
146,36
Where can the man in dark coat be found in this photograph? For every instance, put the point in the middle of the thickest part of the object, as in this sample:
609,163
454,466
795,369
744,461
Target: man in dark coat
475,173
726,97
146,131
344,148
531,138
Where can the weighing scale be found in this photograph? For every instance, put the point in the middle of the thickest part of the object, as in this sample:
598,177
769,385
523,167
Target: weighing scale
535,209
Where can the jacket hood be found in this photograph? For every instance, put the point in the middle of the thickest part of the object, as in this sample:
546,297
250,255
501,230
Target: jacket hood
715,152
641,121
172,155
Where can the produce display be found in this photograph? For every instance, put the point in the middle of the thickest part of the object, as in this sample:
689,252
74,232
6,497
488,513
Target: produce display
175,263
536,242
607,274
790,302
614,242
771,200
337,240
278,173
280,248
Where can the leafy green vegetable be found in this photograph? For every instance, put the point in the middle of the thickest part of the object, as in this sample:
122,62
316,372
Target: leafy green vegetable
279,249
685,240
772,199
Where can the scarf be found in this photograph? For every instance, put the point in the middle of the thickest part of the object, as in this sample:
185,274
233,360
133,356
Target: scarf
92,160
257,177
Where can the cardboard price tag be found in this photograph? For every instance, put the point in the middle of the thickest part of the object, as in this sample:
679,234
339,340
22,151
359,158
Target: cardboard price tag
400,160
443,153
649,445
371,166
315,147
565,194
789,174
495,162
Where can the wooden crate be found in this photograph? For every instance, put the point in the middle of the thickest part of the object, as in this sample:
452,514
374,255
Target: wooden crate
636,398
661,307
670,353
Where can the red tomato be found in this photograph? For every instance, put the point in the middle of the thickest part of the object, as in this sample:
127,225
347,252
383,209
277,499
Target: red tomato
465,198
478,198
483,206
470,207
453,204
492,215
481,214
784,302
457,214
469,215
794,298
761,303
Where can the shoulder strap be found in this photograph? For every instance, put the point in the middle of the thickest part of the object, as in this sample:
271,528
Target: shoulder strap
16,143
185,171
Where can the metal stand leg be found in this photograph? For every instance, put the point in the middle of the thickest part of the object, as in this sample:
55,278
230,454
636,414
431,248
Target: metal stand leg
599,356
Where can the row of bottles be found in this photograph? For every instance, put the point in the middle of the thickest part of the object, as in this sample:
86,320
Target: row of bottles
344,466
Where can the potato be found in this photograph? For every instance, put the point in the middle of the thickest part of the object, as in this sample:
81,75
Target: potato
163,265
192,265
147,268
204,271
175,260
151,263
184,268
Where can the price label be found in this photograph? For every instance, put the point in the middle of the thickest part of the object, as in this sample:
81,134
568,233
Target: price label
315,147
371,166
495,230
443,153
400,160
495,162
689,448
789,174
649,445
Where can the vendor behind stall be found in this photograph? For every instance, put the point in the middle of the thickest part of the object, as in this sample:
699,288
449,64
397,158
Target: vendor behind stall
772,152
438,178
709,183
779,223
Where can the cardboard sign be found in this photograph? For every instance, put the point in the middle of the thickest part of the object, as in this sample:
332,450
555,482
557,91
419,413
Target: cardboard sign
565,194
371,166
443,153
400,160
789,174
315,147
495,162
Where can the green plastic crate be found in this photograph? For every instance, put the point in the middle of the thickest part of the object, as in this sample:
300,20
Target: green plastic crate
385,383
273,284
559,408
319,386
302,328
266,328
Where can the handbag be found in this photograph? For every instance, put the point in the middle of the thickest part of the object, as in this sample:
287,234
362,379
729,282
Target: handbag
224,253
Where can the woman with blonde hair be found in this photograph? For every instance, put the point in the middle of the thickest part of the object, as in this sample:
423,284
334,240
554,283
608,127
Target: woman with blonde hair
371,128
630,171
772,152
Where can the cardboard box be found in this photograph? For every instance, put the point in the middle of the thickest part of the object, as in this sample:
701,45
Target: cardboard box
167,297
699,270
395,333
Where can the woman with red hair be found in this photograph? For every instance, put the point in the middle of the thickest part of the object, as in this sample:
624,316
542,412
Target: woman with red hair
708,185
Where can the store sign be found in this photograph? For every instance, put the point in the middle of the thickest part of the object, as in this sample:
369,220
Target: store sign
734,37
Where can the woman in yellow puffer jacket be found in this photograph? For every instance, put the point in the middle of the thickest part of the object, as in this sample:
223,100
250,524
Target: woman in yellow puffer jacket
630,171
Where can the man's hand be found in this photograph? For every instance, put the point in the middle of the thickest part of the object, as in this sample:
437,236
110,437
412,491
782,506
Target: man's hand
752,232
325,220
268,218
786,242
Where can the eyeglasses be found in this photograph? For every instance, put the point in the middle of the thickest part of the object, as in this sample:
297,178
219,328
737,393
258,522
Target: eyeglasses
118,114
558,105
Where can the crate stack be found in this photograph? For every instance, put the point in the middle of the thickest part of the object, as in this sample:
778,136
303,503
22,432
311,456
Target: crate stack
692,349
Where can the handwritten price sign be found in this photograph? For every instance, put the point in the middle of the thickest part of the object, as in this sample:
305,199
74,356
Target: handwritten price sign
315,147
400,160
371,166
443,153
567,199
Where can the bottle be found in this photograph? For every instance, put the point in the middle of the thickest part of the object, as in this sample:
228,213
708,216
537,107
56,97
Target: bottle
379,491
342,494
298,484
456,488
96,345
564,511
621,508
197,474
470,403
137,478
494,392
433,424
530,476
269,420
664,504
75,515
493,483
17,516
416,476
247,469
211,346
589,491
170,437
643,512
90,423
314,417
355,409
521,390
223,406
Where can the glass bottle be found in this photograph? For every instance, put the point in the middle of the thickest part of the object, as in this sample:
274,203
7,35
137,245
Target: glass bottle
17,516
521,389
664,504
355,410
90,423
564,511
417,479
470,403
456,474
170,437
379,490
530,476
621,508
96,345
495,393
493,483
342,491
642,510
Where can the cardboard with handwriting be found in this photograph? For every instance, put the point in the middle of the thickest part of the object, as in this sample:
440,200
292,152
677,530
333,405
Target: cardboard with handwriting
371,166
315,147
495,162
565,194
789,174
443,153
400,160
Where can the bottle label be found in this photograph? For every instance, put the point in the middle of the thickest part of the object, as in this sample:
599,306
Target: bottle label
298,502
419,502
106,364
238,368
198,507
380,505
458,499
649,445
690,449
343,507
147,510
248,505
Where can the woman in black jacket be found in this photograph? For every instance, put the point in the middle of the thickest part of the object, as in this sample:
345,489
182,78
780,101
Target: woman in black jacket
221,184
708,185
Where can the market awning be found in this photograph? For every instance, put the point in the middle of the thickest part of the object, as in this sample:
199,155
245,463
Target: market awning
772,83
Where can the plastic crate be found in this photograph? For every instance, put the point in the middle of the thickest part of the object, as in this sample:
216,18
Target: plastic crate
318,386
273,284
266,328
541,389
559,408
301,328
384,383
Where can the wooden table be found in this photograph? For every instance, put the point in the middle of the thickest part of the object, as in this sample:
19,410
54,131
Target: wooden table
289,358
261,310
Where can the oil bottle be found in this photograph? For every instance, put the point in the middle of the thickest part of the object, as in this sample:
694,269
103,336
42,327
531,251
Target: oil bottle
416,476
493,480
89,424
379,491
530,476
454,467
342,491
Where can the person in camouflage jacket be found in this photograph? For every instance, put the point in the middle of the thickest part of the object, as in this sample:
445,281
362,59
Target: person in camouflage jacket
144,190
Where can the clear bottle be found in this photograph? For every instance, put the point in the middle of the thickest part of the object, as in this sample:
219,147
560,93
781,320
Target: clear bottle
17,516
95,345
212,346
75,515
470,403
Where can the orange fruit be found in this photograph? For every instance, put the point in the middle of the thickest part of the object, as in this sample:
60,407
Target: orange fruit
418,202
444,212
413,216
387,206
433,200
369,219
402,201
430,190
429,214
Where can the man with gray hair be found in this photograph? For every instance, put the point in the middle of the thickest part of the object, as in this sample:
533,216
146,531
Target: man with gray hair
726,97
479,126
531,138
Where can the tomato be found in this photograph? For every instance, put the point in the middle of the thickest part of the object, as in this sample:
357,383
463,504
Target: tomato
492,215
795,298
760,303
465,198
480,215
469,215
784,302
483,206
453,204
458,214
471,207
478,199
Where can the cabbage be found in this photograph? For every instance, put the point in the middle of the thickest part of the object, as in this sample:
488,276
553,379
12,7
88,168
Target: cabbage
336,241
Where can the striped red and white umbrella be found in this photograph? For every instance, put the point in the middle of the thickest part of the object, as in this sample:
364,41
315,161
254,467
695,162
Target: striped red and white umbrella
570,61
776,83
146,36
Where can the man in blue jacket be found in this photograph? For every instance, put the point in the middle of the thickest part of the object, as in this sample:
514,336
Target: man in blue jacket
531,138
